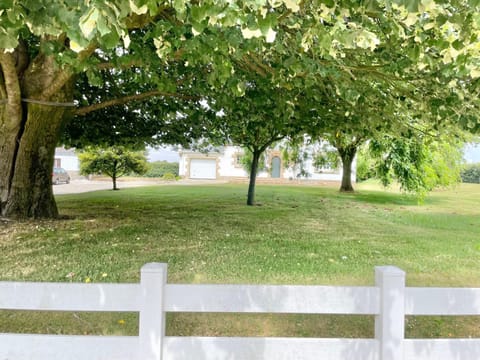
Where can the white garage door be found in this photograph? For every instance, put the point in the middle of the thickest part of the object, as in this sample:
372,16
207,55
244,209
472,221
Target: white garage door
203,169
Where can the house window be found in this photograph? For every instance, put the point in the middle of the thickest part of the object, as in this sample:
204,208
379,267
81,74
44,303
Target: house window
237,160
57,163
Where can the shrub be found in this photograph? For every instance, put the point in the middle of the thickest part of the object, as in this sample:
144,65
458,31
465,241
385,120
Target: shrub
365,164
471,174
161,168
169,177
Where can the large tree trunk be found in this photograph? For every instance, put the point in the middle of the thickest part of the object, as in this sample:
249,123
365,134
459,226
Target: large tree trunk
253,177
347,154
29,133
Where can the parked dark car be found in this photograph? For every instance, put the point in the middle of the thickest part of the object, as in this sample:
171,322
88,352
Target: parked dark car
59,175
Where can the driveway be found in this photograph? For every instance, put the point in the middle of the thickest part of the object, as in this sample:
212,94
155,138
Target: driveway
83,185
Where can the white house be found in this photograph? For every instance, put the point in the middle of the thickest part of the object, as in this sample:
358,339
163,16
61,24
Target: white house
225,164
67,159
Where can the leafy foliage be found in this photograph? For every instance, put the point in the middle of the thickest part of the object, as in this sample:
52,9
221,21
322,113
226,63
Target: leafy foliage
301,153
471,174
295,156
365,164
114,162
261,116
247,161
169,177
326,158
158,169
419,166
159,110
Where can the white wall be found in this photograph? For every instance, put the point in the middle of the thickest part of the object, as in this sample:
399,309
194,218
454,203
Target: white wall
69,163
227,166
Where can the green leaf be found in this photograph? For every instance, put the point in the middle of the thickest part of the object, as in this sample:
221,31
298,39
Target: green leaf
94,78
88,23
102,26
198,13
412,5
31,5
8,41
110,40
139,7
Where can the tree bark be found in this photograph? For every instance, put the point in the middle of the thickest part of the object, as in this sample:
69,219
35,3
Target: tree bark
28,136
114,180
347,154
253,177
114,175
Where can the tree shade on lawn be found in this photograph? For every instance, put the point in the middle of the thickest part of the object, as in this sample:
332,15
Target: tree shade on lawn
45,45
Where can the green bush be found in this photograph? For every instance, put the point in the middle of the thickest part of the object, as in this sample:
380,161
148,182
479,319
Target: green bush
365,164
159,169
169,177
471,174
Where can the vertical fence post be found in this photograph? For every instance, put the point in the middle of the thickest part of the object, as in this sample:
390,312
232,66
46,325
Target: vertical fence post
152,317
390,323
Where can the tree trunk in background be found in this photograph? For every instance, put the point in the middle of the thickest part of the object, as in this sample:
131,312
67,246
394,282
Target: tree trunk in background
253,177
347,154
29,133
114,176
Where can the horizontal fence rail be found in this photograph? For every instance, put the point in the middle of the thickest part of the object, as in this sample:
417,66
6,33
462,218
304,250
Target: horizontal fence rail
272,299
442,301
389,301
69,296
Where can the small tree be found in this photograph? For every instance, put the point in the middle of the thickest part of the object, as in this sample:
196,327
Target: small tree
471,174
114,161
418,165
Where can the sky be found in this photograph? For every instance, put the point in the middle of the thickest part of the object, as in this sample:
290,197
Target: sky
163,154
472,153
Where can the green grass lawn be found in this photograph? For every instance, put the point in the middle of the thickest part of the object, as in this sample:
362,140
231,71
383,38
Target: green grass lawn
298,235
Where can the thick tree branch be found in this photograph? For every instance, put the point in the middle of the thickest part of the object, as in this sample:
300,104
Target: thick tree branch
65,75
60,80
12,86
126,99
108,65
22,59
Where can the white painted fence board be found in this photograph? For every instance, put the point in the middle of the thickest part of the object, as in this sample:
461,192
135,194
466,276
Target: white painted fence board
390,323
210,348
389,300
151,331
272,299
69,296
442,349
442,301
57,347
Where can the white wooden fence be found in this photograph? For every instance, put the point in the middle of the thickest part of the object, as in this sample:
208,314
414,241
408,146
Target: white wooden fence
389,300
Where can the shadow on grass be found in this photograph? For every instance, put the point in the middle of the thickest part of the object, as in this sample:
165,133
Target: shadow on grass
386,198
379,198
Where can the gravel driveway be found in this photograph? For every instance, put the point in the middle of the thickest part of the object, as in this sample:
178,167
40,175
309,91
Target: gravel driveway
83,185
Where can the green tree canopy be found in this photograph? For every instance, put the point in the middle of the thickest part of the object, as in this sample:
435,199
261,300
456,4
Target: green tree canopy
114,162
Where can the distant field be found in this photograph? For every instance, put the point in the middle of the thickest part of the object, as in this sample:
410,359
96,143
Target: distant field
297,235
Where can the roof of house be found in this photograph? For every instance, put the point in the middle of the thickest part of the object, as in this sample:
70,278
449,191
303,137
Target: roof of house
61,151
